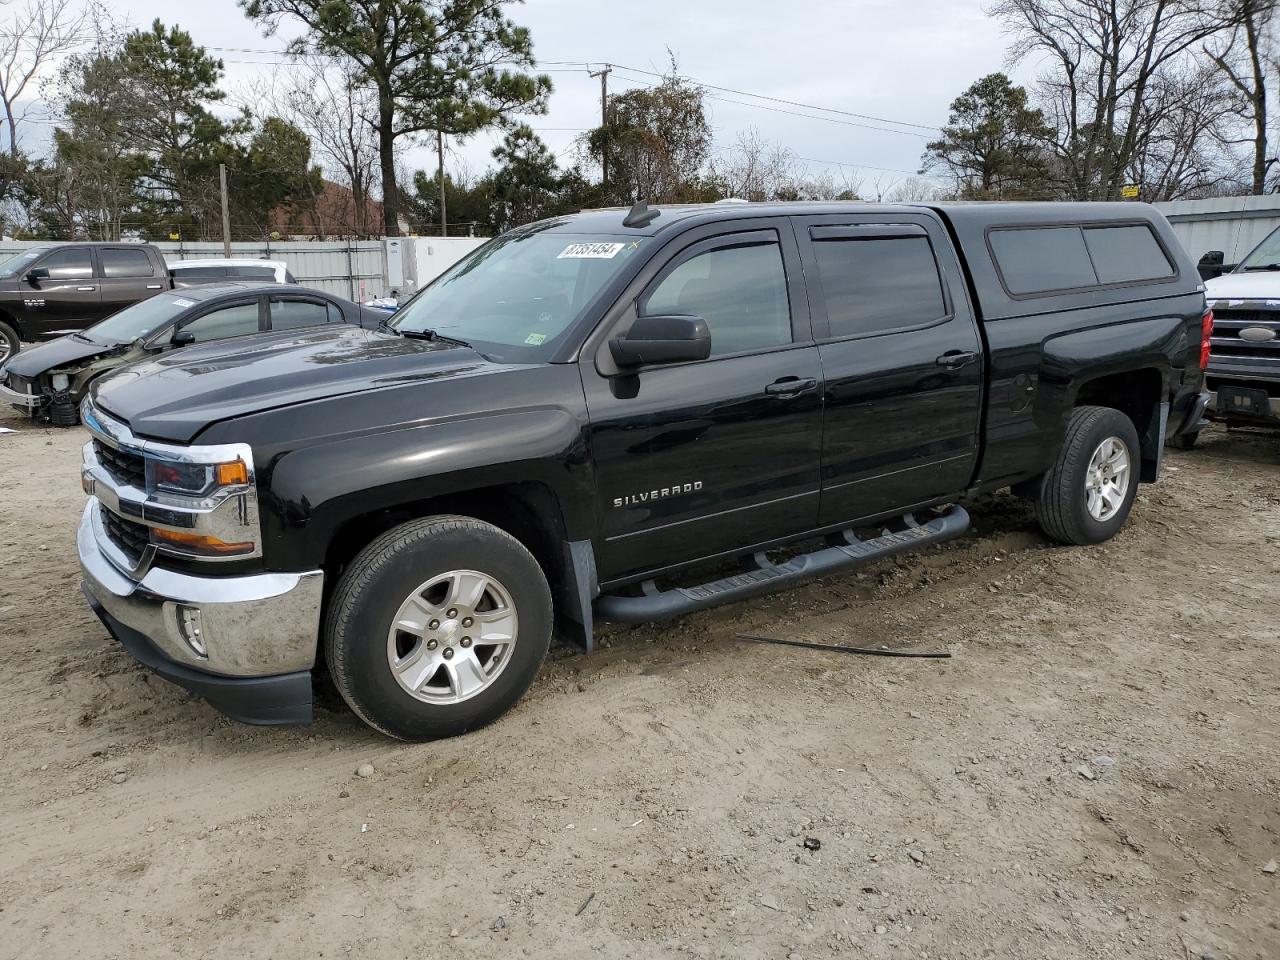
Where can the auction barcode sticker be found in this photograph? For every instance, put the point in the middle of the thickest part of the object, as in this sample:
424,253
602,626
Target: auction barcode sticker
590,251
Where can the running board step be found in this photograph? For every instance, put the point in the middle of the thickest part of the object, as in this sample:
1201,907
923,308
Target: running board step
847,551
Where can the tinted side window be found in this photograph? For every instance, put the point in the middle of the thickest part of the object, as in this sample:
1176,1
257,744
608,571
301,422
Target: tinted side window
251,273
1125,254
290,314
874,285
232,321
125,263
740,291
1041,259
74,263
191,274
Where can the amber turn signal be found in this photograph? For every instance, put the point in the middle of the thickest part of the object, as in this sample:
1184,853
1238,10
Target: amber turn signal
232,474
199,543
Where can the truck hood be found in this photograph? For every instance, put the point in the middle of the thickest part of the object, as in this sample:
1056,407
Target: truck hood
1256,285
176,396
68,351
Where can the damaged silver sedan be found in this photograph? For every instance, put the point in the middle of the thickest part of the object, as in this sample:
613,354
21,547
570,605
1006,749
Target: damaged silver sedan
48,381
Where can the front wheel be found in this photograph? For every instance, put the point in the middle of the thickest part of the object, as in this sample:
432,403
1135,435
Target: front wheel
1186,441
9,342
438,627
1086,495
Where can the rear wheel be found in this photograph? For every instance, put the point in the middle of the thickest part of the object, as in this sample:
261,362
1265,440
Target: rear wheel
9,342
438,627
1085,497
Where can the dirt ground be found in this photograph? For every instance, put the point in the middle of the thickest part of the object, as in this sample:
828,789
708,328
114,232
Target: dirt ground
1095,774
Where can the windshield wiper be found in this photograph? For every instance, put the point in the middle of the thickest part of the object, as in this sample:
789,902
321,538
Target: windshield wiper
80,336
384,326
435,335
1264,266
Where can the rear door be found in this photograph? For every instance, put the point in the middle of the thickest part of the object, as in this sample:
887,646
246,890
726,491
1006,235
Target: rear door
290,312
68,299
901,361
695,459
127,274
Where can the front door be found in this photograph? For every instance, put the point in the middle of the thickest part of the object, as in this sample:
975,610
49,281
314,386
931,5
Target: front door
902,362
66,300
696,459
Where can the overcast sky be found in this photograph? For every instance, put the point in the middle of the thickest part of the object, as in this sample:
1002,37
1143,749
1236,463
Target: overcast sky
901,61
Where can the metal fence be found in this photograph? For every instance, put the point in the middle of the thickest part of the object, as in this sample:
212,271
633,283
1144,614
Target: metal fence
355,269
1234,225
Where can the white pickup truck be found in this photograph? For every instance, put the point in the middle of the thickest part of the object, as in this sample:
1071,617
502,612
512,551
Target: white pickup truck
1243,376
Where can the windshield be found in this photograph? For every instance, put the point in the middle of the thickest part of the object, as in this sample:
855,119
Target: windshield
1265,256
142,319
514,297
17,264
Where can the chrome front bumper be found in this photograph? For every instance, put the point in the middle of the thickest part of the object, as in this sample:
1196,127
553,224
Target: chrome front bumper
249,626
27,401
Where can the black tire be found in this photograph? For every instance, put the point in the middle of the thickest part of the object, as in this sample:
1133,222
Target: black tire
10,338
1062,503
383,576
1186,441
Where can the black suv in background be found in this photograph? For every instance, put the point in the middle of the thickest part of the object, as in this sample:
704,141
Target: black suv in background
588,416
53,290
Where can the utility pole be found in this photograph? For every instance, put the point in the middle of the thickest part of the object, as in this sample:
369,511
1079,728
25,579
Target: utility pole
444,216
603,74
226,211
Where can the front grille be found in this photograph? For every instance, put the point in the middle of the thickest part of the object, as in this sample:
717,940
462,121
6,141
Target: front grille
1227,344
18,384
130,537
125,467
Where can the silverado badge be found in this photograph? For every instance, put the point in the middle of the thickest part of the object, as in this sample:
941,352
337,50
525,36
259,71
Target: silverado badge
661,493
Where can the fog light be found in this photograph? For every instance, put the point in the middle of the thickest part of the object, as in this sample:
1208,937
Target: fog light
191,631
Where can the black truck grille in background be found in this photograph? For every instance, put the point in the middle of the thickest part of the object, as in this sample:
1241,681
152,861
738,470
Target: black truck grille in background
1227,344
130,537
125,467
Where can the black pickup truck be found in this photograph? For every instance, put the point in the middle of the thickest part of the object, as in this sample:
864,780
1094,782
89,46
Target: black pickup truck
592,417
52,290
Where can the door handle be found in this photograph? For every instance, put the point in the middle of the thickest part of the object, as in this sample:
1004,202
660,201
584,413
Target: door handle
790,387
86,289
955,359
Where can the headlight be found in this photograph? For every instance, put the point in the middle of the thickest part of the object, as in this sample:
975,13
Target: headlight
193,479
199,501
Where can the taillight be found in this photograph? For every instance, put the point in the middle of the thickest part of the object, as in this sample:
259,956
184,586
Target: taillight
1206,334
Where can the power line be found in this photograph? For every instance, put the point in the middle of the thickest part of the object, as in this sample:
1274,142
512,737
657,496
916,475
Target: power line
792,113
809,116
790,103
860,166
584,66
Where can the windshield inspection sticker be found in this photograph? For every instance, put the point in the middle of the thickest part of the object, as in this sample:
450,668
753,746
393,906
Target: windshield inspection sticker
536,339
590,251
